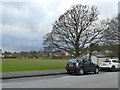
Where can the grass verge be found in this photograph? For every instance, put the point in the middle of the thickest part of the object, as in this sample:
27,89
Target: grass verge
14,64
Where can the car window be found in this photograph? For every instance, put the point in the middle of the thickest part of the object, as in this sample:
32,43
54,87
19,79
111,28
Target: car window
118,61
107,61
80,59
87,60
114,61
72,60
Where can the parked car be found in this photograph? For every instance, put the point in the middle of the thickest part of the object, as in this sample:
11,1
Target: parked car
81,66
110,64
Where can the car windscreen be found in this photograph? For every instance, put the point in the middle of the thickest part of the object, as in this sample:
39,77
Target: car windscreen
107,61
72,60
80,59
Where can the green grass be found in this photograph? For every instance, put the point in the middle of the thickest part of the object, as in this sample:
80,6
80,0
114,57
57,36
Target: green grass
13,64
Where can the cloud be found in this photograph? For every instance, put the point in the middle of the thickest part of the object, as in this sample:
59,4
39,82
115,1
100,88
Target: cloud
28,15
15,38
25,23
13,43
105,9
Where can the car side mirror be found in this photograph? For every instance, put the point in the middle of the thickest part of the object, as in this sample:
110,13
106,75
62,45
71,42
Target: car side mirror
83,60
90,60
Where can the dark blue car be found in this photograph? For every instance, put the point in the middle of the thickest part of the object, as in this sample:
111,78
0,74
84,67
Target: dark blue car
81,66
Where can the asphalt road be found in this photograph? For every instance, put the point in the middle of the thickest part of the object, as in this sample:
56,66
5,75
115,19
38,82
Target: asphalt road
101,80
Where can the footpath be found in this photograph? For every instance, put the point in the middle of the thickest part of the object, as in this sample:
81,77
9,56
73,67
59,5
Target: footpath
8,75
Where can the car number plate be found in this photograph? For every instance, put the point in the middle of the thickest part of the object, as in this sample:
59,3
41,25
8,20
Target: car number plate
104,64
70,65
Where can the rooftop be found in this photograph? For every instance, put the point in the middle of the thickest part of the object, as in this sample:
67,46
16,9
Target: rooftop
98,54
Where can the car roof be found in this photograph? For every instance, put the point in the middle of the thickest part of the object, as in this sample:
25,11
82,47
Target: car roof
113,59
78,58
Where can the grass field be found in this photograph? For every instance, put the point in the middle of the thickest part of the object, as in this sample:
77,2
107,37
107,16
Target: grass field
13,64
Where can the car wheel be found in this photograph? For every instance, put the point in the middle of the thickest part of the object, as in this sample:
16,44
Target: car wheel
81,71
101,69
69,72
96,70
113,68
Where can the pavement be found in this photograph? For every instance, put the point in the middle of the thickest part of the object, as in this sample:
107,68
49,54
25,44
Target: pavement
8,75
90,80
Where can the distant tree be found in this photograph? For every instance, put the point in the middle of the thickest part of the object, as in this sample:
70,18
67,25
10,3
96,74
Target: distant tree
24,54
0,55
15,54
119,36
39,54
112,36
74,30
33,54
7,54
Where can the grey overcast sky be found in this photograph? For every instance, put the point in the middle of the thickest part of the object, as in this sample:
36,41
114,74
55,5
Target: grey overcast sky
25,23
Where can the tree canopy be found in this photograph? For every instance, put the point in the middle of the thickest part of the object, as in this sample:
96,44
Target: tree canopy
74,30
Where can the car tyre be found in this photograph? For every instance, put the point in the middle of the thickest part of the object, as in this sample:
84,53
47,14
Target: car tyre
81,71
96,70
113,68
69,72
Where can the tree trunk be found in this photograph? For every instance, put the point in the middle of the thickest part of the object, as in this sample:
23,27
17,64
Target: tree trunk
91,50
90,54
77,48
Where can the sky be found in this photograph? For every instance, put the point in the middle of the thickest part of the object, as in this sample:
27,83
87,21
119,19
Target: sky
25,22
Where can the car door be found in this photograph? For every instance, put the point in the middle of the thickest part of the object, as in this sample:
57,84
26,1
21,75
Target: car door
91,65
115,63
119,64
88,65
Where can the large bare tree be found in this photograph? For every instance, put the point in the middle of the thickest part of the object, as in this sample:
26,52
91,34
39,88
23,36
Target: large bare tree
74,30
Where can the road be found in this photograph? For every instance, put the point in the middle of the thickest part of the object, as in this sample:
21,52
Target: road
101,80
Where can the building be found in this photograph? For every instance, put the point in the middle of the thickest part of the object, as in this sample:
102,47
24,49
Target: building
97,57
0,55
